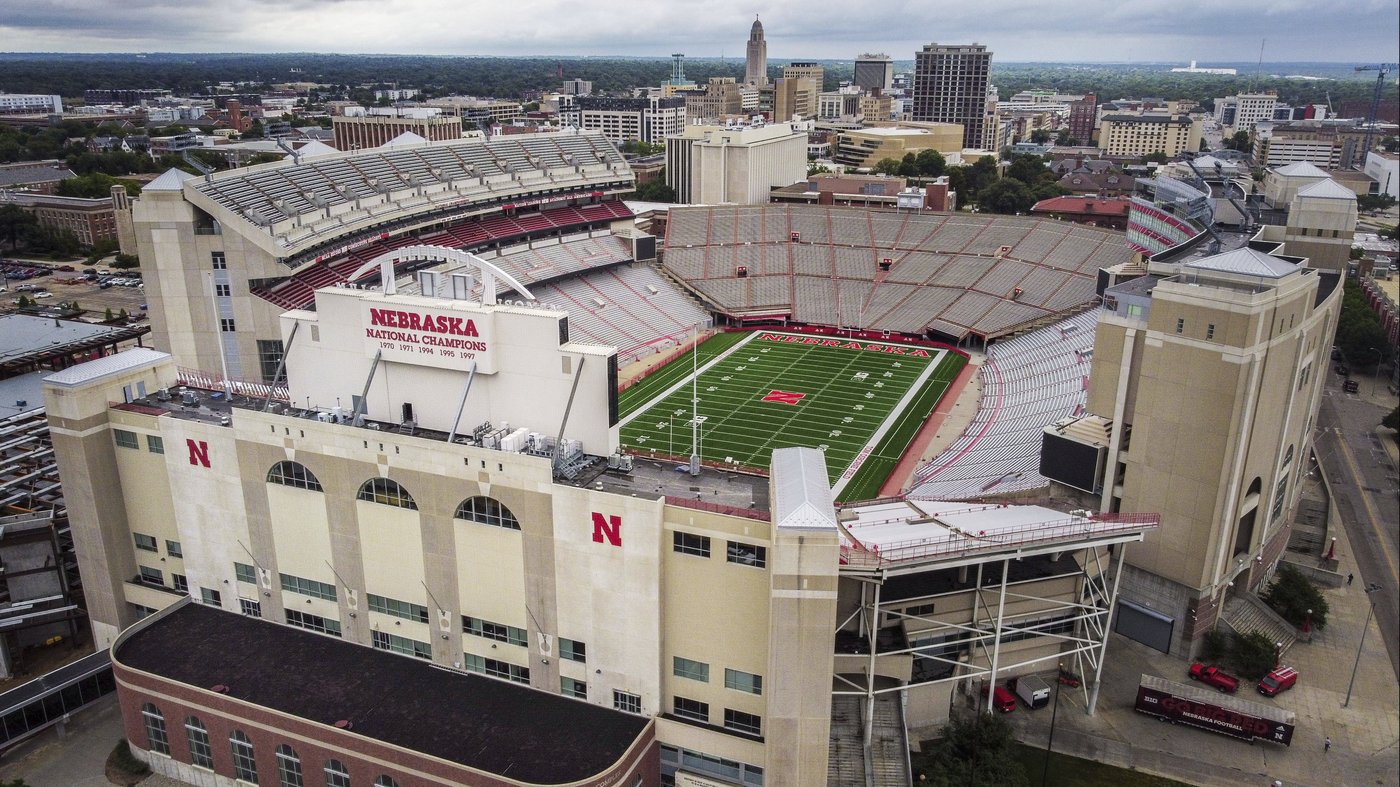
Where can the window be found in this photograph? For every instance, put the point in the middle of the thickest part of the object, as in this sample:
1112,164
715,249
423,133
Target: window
746,554
496,668
143,541
630,703
386,492
691,709
488,512
293,474
673,758
393,643
307,587
216,259
249,607
180,582
245,573
695,670
201,753
399,609
211,597
573,688
270,352
572,650
172,548
919,609
742,722
688,544
143,611
221,290
1180,325
743,681
151,576
497,631
289,767
125,439
244,766
1210,330
336,774
155,444
226,325
384,780
156,739
314,623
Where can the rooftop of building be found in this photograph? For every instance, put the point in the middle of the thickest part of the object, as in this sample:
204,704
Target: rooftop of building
26,340
1099,206
27,172
479,722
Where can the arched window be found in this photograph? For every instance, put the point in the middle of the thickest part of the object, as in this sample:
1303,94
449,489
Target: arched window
488,512
336,774
289,767
293,474
386,492
201,753
244,766
156,739
385,780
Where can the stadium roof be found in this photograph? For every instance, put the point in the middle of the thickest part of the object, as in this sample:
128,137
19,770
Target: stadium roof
108,365
1247,262
801,495
172,180
1327,189
1301,169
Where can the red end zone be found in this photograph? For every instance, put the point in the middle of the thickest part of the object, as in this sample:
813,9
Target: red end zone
783,397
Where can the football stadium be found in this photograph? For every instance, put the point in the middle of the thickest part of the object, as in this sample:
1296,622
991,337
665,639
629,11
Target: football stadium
457,424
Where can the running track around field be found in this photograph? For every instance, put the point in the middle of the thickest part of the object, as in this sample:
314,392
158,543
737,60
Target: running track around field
911,459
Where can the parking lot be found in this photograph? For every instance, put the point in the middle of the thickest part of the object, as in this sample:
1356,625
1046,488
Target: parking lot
71,286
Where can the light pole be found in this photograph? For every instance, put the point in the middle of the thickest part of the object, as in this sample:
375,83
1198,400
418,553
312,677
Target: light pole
1371,588
1050,743
1375,381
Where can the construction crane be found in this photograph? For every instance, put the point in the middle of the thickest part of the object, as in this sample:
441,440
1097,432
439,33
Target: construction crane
1381,70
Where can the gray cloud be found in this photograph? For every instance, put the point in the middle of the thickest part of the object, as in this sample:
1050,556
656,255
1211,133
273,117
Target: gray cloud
1083,31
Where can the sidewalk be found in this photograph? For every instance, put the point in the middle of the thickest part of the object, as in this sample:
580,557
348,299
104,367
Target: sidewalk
1365,735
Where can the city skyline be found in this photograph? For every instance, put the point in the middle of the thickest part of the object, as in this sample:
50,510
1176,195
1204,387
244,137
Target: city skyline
1153,31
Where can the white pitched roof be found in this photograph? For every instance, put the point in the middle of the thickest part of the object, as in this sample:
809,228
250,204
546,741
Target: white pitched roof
1245,261
406,138
312,148
801,492
1301,169
1327,189
123,361
172,180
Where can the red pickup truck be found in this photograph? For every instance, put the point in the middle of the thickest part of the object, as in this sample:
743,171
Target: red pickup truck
1212,676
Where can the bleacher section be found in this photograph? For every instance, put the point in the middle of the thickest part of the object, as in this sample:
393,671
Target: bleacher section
1028,382
297,291
641,313
302,205
980,275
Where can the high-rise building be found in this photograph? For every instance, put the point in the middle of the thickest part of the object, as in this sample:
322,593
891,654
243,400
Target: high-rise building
371,131
950,86
756,62
805,70
1240,113
873,72
1142,134
1082,114
1207,375
715,165
649,119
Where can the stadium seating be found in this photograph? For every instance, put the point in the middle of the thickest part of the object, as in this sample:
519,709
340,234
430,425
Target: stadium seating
632,318
1028,382
967,268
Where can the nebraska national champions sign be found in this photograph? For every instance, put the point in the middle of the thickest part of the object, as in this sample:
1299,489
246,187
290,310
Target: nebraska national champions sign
443,338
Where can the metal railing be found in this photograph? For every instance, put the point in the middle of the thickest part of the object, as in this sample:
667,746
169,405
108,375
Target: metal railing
955,542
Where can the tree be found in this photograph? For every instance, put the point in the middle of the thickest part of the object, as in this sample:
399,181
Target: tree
1029,169
1040,136
13,221
1064,139
886,166
96,185
1204,146
1295,598
908,166
1156,157
1252,655
1392,421
1374,201
126,261
975,752
656,191
931,163
1007,196
817,169
1240,142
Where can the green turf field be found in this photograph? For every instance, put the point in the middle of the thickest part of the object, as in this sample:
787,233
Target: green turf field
862,402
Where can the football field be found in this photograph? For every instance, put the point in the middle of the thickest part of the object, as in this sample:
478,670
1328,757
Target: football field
862,401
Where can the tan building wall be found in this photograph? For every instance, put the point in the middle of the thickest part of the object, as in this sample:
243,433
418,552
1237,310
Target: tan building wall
1141,135
866,147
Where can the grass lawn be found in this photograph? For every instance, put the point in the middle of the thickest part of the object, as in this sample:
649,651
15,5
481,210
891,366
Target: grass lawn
862,402
1067,771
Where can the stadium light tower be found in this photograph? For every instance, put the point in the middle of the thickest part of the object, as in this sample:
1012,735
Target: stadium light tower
695,418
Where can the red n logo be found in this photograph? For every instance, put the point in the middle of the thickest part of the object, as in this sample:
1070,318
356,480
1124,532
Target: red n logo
783,397
609,528
199,452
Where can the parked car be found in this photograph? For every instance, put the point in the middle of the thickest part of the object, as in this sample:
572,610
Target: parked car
1279,680
65,269
1351,386
1343,370
38,295
1004,701
1212,676
90,271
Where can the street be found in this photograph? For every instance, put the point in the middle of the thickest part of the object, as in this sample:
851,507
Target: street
1364,489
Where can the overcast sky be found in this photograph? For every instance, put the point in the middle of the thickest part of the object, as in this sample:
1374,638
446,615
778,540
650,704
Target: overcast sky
1015,30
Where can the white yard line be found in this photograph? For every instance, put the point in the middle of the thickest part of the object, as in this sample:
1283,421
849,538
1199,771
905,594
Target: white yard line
684,380
895,412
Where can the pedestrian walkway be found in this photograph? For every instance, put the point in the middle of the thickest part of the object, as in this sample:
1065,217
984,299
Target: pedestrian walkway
1365,735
